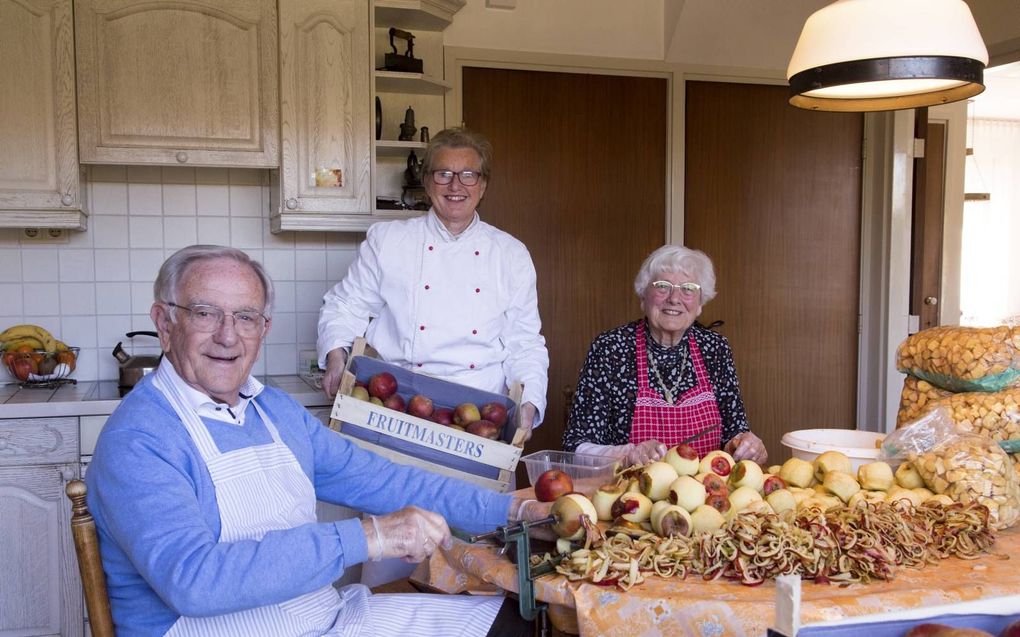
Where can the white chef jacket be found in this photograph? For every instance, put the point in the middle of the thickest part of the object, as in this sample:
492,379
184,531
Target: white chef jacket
462,308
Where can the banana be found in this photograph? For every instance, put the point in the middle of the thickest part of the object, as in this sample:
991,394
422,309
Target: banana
41,334
31,341
62,346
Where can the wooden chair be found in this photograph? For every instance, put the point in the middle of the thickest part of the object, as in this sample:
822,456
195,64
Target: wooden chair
86,545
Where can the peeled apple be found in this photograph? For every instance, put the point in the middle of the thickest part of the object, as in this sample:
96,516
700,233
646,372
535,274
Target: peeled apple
569,510
654,480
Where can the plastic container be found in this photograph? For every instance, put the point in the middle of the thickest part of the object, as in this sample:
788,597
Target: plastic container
861,447
588,472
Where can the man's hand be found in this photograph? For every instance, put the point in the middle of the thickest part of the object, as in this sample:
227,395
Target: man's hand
524,510
410,533
336,361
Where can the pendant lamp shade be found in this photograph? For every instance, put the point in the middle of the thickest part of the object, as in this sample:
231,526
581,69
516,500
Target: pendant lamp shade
880,55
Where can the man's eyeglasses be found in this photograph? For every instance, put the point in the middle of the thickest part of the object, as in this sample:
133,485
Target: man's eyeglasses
466,177
687,290
208,318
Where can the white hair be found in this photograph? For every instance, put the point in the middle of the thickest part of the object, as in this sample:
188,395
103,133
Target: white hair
672,259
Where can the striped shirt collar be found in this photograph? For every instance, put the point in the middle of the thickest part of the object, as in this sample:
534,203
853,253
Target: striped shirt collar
203,405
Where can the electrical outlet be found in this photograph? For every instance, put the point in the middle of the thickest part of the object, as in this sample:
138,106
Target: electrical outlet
45,235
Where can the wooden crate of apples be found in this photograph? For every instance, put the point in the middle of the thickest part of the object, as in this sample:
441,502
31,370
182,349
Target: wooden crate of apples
428,422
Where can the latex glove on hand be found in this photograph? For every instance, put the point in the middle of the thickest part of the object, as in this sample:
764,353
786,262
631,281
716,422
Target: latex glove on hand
336,361
410,533
532,511
747,446
528,415
644,452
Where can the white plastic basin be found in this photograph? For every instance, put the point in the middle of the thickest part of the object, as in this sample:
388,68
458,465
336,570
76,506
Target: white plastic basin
860,446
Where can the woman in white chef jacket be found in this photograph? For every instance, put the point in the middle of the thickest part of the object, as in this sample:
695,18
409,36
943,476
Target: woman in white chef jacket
445,294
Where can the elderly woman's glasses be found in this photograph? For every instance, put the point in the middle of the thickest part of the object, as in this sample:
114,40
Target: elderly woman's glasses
466,177
687,290
208,318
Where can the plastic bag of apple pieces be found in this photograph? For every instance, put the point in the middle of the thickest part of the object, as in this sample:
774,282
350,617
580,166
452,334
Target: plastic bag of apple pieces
965,466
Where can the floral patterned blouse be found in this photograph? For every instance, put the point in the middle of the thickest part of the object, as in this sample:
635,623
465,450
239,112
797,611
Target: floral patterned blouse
607,386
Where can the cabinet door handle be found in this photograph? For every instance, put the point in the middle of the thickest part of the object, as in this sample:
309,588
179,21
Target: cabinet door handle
66,473
182,157
292,204
67,200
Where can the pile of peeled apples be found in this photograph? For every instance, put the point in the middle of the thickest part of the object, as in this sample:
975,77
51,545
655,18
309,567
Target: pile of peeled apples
683,493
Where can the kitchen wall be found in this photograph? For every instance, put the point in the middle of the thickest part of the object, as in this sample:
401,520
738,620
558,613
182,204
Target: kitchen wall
96,287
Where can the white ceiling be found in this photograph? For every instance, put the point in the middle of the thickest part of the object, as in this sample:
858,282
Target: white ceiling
1001,99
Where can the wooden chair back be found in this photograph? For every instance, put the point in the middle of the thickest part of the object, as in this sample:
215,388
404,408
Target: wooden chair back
86,545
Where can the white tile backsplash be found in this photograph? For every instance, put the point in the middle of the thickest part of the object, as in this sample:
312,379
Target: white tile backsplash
10,264
179,200
145,232
42,299
77,299
39,264
93,290
77,265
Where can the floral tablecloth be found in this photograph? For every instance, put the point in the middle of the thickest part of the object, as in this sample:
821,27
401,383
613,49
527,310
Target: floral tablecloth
694,607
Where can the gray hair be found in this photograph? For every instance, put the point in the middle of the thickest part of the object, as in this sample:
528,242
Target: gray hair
673,258
174,268
458,138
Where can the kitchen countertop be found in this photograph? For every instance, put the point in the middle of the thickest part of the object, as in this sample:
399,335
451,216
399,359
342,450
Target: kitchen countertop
100,398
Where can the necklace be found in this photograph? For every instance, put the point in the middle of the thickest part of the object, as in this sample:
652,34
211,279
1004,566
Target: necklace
670,392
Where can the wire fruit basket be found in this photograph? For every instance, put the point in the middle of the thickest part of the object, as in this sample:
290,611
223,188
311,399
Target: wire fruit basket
41,368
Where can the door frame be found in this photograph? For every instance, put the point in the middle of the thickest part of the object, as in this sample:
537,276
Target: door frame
886,190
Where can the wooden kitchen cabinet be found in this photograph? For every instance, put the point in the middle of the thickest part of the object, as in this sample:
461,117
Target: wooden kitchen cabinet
40,589
41,183
324,181
177,83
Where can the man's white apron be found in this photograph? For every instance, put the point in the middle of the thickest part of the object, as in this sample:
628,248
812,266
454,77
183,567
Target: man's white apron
261,489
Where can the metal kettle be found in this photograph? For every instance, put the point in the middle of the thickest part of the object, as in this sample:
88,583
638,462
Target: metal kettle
132,368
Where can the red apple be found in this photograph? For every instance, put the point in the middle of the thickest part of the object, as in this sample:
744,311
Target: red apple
395,402
360,393
1013,630
442,415
942,630
552,484
484,428
494,412
420,406
466,413
382,385
772,483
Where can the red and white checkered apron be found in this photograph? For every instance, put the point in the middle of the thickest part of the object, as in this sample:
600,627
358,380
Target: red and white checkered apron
694,412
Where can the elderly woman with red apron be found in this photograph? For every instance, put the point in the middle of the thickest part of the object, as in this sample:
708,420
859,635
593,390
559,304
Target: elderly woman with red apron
664,379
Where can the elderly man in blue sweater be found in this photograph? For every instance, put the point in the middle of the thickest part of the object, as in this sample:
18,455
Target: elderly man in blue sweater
204,483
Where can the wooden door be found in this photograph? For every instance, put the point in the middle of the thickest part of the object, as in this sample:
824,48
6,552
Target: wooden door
927,221
773,196
580,177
